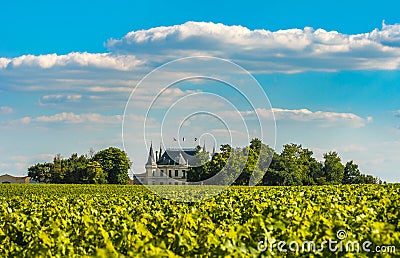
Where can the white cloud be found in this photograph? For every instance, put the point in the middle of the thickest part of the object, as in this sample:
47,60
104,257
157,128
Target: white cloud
59,98
389,35
305,115
259,51
79,118
324,119
102,89
4,62
70,118
75,59
291,50
72,97
6,110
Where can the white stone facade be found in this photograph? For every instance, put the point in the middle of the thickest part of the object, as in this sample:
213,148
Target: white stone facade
166,170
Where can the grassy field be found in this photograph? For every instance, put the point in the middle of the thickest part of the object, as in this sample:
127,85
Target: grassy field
114,221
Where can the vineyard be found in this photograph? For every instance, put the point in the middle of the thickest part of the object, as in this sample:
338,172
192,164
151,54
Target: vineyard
117,221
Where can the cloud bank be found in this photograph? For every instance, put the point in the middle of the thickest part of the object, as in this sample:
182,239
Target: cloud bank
259,50
292,50
72,60
323,118
71,118
54,99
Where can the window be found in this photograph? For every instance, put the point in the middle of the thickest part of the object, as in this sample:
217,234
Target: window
176,173
170,173
153,172
161,183
184,173
161,173
176,183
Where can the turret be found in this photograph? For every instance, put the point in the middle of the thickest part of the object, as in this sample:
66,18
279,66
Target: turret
151,165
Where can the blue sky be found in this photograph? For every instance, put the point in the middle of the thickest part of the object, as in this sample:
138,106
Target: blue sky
75,26
330,70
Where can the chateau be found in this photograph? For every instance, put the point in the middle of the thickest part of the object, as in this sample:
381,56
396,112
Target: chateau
168,168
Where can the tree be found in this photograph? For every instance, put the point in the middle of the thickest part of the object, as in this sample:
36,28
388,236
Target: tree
256,145
57,170
333,168
294,166
273,174
200,169
110,165
316,172
248,156
234,160
258,160
368,179
75,167
351,173
40,172
94,174
218,164
297,165
115,164
264,161
249,165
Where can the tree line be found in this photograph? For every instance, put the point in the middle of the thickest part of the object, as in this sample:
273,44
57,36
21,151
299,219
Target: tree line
106,166
295,165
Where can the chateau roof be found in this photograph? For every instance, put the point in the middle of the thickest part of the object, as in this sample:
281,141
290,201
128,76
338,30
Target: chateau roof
177,157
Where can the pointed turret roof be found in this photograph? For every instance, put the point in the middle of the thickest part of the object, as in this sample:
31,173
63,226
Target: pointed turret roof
150,159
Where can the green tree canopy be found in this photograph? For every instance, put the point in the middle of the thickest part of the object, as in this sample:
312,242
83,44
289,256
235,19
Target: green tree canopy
333,168
200,169
351,174
107,166
115,164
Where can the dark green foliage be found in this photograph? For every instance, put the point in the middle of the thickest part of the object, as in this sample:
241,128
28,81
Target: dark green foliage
259,163
115,164
107,166
351,173
333,168
94,173
201,166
